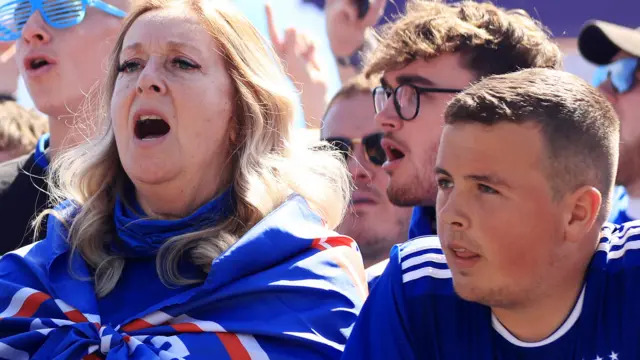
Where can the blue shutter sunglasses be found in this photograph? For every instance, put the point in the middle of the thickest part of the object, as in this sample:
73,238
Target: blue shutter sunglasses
58,14
622,74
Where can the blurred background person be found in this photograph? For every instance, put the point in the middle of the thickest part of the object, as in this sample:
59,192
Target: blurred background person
195,205
616,50
60,62
372,220
8,70
20,130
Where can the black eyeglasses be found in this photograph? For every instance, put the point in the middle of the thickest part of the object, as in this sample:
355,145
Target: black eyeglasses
372,148
406,98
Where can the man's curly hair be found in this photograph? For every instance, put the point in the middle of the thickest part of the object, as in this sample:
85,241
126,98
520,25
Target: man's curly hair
492,40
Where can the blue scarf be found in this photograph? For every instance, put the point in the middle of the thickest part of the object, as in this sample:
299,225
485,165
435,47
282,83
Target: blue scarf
139,236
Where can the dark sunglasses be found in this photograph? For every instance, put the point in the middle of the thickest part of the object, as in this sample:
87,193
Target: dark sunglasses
406,98
58,14
371,143
621,73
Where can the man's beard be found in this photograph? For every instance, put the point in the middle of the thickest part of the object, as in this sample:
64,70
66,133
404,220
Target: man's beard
419,188
415,192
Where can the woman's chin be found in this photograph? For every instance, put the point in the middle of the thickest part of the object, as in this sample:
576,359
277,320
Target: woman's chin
143,175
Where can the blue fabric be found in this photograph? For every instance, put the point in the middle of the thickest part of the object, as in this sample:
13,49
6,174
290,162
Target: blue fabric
422,220
422,224
140,237
619,207
288,289
40,155
422,317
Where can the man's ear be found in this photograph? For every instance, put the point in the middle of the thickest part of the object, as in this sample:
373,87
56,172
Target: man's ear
582,212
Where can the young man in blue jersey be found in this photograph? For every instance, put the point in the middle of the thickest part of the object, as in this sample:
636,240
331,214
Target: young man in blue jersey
525,170
424,58
616,49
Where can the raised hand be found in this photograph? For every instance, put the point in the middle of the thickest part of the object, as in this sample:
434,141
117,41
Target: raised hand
345,30
298,53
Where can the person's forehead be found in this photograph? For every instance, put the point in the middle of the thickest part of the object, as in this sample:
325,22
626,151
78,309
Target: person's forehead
444,71
351,116
504,148
124,5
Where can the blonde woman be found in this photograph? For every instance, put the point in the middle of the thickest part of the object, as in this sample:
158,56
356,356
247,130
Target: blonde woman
192,228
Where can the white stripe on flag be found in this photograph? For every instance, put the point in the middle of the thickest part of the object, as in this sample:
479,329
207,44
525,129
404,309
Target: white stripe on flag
253,348
17,301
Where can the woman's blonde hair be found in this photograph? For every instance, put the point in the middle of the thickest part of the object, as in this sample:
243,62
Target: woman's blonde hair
267,166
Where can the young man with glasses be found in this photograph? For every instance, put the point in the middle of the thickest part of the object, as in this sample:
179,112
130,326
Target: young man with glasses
61,50
372,220
423,59
522,267
616,49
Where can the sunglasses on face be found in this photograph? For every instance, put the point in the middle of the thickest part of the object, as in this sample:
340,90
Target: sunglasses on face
406,98
371,143
621,73
58,14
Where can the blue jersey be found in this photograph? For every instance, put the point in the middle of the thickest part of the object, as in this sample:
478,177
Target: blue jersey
413,312
423,222
619,207
288,289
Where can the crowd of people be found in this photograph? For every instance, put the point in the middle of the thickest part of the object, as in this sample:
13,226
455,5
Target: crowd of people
466,199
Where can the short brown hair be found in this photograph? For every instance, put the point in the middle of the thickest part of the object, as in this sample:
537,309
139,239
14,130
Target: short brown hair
20,128
492,40
579,126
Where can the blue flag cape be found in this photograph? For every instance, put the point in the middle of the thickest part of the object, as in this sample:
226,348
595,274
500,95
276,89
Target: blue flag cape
288,289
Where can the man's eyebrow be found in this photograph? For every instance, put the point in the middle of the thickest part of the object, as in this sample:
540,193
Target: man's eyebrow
491,179
440,171
414,79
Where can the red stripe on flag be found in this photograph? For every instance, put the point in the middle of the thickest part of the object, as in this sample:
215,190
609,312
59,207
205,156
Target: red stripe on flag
76,316
340,240
31,304
186,328
234,347
137,324
91,357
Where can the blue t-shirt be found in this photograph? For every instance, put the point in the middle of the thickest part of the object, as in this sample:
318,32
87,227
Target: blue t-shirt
414,313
